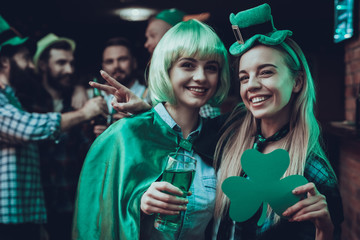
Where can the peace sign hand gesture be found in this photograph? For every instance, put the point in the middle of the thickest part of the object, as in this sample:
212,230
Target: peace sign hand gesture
124,99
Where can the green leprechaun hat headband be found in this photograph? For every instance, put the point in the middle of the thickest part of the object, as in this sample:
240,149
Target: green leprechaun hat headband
256,25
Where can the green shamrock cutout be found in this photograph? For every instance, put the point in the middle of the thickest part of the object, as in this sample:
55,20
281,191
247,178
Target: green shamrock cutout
262,185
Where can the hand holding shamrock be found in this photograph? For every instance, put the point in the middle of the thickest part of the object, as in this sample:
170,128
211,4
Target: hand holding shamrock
285,196
313,208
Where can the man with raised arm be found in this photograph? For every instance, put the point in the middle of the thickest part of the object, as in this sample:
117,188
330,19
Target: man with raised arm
22,207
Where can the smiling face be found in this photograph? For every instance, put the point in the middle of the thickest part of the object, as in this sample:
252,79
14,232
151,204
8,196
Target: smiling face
266,83
194,81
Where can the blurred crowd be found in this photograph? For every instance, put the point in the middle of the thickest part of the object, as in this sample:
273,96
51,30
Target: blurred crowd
49,121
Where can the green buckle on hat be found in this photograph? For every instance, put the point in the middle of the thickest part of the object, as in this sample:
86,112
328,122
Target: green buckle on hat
237,33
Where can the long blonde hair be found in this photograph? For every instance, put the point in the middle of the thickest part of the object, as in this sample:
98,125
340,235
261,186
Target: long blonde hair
301,141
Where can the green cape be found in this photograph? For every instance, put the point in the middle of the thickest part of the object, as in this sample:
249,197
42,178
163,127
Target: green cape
120,166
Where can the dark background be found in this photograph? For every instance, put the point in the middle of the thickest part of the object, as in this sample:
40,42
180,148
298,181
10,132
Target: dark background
91,22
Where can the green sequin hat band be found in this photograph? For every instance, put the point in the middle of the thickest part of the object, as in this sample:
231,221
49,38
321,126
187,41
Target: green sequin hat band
256,25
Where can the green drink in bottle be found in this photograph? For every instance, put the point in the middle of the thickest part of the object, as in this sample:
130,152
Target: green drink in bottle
180,172
99,120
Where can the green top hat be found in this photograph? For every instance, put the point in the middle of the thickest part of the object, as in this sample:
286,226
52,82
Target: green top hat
255,25
8,35
171,16
46,42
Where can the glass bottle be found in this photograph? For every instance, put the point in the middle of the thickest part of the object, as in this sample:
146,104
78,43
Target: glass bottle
100,119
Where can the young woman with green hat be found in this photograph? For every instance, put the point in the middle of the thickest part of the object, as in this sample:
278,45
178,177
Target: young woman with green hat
118,191
278,95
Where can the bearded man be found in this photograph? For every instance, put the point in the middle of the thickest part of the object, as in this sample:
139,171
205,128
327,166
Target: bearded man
54,61
22,205
61,162
119,61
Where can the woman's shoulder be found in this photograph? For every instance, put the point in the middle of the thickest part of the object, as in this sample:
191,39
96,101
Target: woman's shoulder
136,119
319,171
128,125
148,123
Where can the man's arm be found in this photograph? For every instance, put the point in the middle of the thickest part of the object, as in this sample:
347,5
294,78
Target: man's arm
18,126
79,97
91,109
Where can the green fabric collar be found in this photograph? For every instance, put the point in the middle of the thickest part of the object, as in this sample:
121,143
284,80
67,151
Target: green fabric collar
121,164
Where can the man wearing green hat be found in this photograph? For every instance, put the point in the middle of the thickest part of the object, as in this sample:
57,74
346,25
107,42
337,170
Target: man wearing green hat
61,162
54,61
22,207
